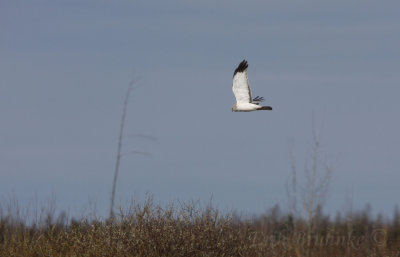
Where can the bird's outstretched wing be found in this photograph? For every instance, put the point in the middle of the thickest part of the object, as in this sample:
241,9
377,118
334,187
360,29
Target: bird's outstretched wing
241,87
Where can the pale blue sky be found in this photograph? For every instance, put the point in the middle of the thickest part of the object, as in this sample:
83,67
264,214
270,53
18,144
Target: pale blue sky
65,66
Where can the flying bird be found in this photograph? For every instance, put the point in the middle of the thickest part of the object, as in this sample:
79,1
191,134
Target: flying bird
241,90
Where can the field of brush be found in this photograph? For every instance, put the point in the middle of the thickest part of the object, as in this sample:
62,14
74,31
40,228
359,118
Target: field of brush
191,230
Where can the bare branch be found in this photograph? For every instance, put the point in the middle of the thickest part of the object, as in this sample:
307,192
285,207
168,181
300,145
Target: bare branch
148,137
137,152
121,131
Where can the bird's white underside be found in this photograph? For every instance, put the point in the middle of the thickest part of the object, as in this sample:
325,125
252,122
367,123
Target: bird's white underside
247,107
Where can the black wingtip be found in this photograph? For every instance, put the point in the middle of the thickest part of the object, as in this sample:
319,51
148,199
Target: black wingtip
267,108
242,67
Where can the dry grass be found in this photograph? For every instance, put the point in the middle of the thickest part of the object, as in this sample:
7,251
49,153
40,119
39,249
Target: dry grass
189,230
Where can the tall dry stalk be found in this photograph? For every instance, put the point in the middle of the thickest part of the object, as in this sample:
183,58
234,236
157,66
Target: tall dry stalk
119,154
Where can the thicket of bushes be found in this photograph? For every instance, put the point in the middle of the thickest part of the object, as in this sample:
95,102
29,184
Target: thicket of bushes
190,230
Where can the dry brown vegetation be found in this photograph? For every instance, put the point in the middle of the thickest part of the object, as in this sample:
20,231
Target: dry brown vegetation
189,230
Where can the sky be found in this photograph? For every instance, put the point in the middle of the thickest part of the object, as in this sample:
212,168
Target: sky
331,67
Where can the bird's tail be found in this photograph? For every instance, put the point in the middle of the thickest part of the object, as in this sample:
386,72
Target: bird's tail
268,108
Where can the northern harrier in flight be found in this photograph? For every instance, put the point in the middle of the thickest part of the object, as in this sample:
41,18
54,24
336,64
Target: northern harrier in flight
242,92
